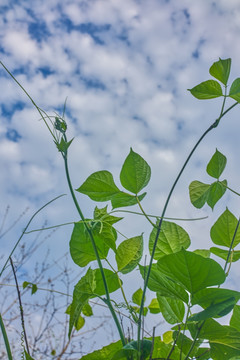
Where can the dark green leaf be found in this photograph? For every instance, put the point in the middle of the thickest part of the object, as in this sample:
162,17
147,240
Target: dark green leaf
221,70
123,199
185,343
193,271
172,238
235,319
27,356
207,90
129,253
234,92
223,254
63,145
135,173
223,230
99,186
172,309
163,285
216,165
199,193
211,296
215,310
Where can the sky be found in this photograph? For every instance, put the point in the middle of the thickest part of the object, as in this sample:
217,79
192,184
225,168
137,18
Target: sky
124,68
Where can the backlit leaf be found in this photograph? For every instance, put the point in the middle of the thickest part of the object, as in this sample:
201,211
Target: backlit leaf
223,254
123,199
223,230
129,253
135,173
199,193
172,238
106,352
207,90
216,165
193,271
234,92
137,297
154,306
99,186
221,70
216,191
172,309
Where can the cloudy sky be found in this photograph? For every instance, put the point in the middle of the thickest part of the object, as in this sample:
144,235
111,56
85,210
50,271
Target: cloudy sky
124,67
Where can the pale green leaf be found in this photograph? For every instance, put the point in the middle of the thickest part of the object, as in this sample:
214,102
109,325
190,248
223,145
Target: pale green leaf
106,353
172,238
137,297
207,90
154,306
135,173
203,252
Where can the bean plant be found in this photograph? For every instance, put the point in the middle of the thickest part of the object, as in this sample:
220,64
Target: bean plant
187,287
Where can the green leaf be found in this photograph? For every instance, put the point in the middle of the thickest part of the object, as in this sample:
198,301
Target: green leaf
172,238
224,340
207,90
90,286
221,70
99,186
168,337
87,310
216,165
185,343
223,254
203,252
27,356
199,193
223,230
163,285
234,92
81,248
211,296
193,271
137,297
31,286
135,173
63,145
162,350
216,191
172,309
235,319
102,214
105,353
131,350
154,306
79,323
123,199
129,253
215,310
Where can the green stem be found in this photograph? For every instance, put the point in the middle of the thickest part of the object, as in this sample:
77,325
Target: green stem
214,125
233,191
5,338
146,216
194,341
24,231
108,300
231,245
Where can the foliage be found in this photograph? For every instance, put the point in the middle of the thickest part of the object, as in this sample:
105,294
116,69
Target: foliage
181,280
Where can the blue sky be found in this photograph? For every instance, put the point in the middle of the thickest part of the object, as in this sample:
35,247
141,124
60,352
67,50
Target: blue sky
124,67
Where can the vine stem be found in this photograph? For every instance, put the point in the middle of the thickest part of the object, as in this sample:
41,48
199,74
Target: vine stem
214,125
108,300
